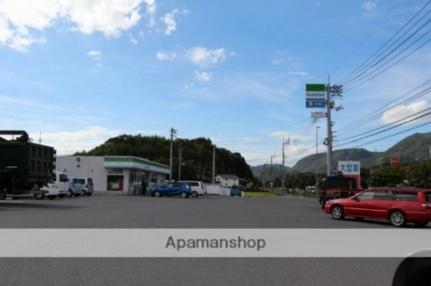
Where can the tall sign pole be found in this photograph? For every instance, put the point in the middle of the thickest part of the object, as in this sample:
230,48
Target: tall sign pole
320,96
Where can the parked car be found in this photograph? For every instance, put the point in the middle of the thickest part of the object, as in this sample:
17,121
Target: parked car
310,189
198,188
398,206
75,187
235,191
87,186
182,189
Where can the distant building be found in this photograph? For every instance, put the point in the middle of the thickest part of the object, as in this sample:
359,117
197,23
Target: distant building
227,180
113,173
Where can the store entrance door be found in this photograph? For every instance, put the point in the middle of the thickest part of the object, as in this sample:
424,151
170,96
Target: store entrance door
116,183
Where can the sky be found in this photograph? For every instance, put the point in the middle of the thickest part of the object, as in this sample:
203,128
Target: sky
75,73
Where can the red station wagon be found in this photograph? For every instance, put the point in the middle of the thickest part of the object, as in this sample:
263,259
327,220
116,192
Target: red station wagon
399,206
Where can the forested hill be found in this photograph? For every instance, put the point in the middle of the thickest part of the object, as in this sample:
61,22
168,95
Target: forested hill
413,148
196,155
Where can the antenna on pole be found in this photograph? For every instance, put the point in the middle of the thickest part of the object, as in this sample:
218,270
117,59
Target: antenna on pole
40,137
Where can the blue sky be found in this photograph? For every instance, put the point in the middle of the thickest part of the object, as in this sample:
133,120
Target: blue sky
233,71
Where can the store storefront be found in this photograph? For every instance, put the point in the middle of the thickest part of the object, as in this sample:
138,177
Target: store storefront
114,173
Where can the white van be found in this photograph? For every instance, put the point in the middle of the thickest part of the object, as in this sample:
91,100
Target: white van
62,182
198,188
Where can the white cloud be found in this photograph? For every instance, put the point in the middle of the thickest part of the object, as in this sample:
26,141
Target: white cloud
151,11
203,76
403,110
21,21
170,23
96,55
69,142
133,39
164,56
202,56
369,8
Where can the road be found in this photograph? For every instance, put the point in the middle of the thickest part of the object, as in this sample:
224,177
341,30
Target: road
117,211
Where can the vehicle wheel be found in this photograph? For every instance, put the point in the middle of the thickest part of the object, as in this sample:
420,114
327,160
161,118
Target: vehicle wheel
89,194
51,197
194,194
397,218
157,194
421,224
62,195
70,193
39,196
184,195
337,212
2,195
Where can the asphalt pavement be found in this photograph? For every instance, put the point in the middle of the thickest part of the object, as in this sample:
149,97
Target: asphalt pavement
118,211
122,211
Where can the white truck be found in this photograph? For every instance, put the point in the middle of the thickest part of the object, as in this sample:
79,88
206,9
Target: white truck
62,182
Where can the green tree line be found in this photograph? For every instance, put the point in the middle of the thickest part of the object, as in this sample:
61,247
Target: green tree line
196,155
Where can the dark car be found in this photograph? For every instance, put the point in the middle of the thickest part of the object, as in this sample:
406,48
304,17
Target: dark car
235,191
399,206
181,189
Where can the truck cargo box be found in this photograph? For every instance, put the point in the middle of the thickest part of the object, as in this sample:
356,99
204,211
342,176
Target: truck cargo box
24,166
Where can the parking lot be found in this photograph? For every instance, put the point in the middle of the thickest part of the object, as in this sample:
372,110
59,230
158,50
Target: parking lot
122,211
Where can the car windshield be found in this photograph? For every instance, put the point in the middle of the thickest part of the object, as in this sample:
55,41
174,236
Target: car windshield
365,196
63,178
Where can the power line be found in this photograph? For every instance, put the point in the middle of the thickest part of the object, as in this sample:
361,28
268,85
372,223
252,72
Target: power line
392,135
378,72
386,125
390,128
386,45
390,105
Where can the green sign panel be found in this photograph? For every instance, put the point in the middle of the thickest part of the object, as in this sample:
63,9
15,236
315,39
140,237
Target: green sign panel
315,95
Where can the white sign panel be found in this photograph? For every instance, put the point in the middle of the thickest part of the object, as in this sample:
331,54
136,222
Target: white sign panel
349,167
316,115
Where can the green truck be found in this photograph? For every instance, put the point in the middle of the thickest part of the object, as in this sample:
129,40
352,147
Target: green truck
25,167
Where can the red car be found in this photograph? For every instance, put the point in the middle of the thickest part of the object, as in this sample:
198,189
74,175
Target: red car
399,206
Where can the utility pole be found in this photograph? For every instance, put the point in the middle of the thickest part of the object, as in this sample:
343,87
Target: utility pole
329,106
213,173
180,158
272,156
285,142
173,134
331,90
317,140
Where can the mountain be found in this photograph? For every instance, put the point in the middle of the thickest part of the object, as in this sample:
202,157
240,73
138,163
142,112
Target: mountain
411,148
196,155
263,172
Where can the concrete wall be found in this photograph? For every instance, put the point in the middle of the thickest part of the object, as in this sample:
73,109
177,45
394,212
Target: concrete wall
91,167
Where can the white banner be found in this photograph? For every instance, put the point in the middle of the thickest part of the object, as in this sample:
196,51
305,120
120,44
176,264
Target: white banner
213,242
